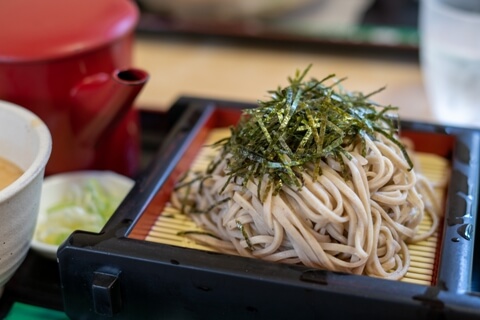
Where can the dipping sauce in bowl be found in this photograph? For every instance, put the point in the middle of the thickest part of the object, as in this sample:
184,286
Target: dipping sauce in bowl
25,142
9,172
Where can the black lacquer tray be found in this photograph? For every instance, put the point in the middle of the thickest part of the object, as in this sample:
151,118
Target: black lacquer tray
118,274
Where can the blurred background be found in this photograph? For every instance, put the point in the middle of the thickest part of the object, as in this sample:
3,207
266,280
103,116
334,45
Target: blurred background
359,22
237,50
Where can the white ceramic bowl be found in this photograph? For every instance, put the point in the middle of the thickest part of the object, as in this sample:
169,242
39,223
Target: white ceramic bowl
54,189
24,140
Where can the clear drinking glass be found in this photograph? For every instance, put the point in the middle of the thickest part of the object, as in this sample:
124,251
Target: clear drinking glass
450,59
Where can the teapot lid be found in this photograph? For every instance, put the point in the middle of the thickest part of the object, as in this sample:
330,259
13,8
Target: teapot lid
35,30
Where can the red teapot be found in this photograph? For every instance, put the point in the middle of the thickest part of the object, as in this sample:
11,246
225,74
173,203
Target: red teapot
70,63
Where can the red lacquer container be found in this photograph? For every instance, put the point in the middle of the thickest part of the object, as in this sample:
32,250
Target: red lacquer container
70,63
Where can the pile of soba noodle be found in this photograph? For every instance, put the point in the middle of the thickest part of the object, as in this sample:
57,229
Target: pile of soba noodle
314,177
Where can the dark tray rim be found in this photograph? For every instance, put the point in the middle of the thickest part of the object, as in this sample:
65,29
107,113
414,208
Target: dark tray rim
116,253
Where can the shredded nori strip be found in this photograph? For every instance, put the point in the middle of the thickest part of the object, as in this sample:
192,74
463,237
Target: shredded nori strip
301,124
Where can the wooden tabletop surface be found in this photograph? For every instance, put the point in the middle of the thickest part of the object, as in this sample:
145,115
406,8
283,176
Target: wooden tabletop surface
233,70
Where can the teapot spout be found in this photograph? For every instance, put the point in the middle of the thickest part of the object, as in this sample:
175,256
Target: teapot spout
103,100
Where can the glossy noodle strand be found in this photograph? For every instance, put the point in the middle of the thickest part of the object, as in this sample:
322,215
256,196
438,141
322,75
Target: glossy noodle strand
359,225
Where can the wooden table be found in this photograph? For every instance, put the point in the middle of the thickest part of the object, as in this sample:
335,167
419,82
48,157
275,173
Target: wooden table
233,70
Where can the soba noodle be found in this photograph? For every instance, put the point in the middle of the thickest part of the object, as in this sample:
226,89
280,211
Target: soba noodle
359,226
354,212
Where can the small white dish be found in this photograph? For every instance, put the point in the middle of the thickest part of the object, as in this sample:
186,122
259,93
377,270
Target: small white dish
54,189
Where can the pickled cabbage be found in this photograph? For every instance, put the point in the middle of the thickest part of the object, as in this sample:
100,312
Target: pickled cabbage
86,206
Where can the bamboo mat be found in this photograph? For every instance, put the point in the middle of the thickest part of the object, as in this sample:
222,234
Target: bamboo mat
423,255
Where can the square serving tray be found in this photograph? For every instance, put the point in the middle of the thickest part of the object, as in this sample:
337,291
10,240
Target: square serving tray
124,272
